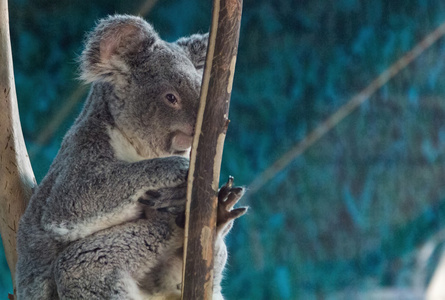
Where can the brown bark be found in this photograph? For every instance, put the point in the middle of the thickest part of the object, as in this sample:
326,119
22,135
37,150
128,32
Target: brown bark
205,161
16,176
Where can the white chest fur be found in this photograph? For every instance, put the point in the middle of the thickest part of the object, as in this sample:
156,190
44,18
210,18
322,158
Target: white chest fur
123,149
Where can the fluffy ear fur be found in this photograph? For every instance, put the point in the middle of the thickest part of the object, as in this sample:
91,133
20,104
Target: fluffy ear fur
195,46
112,44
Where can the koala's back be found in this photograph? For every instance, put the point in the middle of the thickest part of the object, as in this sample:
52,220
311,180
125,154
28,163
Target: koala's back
36,250
39,242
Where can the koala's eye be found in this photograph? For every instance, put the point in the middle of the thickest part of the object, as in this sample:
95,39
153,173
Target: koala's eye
171,98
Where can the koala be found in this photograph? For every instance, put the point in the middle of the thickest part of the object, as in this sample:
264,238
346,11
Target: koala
106,221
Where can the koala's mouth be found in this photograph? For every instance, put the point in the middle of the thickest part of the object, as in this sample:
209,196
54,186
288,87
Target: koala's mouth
181,142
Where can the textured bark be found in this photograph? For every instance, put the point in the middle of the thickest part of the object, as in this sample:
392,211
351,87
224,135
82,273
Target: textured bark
16,176
205,161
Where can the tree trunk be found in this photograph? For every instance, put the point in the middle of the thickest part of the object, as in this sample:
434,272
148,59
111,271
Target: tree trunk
207,148
16,176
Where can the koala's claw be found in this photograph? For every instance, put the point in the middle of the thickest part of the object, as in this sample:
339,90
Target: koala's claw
228,196
170,200
153,194
149,198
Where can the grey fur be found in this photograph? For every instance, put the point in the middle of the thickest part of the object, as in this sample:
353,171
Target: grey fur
86,233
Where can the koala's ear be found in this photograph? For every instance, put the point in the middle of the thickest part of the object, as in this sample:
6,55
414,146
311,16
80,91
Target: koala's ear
112,44
195,46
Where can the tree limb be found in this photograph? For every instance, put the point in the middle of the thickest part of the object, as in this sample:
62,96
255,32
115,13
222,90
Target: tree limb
207,148
16,175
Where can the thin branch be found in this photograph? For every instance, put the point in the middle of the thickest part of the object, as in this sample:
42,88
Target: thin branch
146,7
58,118
345,110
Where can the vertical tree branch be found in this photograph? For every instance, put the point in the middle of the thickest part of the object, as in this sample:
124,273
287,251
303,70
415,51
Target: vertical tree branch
16,176
205,161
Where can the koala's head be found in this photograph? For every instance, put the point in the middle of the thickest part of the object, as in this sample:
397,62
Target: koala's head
155,85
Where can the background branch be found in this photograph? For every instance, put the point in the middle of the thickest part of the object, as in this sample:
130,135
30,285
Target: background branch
345,110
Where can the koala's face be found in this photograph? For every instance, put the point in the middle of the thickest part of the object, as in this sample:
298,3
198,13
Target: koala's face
159,101
156,84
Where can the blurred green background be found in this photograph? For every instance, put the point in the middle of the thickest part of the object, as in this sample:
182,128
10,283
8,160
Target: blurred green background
359,215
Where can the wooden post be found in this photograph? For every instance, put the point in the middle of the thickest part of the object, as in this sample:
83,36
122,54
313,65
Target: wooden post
207,148
16,175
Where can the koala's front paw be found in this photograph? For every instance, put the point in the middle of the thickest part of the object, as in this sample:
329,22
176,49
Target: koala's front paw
176,170
228,196
171,200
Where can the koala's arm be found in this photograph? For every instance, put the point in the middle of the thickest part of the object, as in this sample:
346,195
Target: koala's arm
87,201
